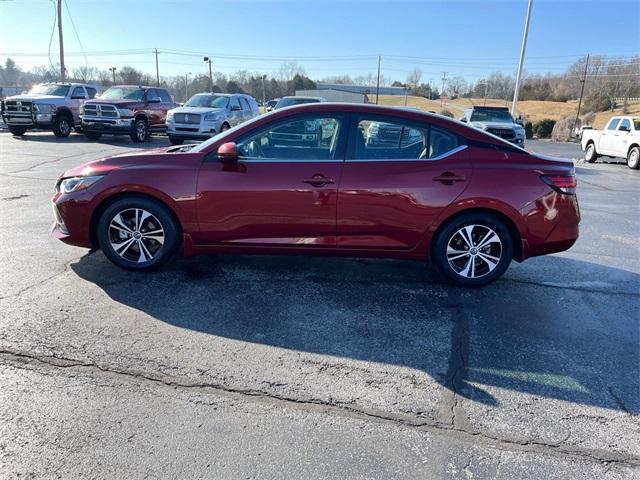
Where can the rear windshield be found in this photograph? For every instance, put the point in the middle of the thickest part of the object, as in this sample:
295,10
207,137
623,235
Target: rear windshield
123,93
209,101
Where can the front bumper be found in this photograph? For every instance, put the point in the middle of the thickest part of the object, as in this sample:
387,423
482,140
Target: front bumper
106,125
72,217
200,131
39,120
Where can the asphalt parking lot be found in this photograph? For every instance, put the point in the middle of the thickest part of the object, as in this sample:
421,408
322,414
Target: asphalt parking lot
290,367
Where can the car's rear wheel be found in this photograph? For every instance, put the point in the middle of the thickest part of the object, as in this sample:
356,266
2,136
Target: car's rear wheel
175,140
17,130
473,249
62,125
140,130
224,127
633,158
590,154
138,233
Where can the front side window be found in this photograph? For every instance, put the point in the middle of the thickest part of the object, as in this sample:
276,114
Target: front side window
120,93
307,138
392,139
613,124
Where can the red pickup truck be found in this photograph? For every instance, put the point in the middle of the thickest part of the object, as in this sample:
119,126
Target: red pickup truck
127,110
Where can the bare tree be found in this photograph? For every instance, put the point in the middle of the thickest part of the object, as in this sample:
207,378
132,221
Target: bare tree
85,73
414,77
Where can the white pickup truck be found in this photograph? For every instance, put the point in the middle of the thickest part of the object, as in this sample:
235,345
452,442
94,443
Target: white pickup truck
620,138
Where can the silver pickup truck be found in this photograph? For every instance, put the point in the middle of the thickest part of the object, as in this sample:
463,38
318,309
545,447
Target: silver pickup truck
49,106
620,138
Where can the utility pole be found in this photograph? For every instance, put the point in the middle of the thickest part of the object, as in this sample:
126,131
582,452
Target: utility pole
157,70
521,63
208,60
63,74
583,81
264,95
113,71
186,86
378,81
444,78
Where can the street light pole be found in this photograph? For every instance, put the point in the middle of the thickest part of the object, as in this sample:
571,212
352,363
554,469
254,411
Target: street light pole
378,81
186,86
521,63
63,74
264,95
157,70
208,60
113,72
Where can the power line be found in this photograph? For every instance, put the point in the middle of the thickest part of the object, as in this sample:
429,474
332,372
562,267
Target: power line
76,32
53,30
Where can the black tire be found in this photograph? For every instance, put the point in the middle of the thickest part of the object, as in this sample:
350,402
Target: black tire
225,126
176,140
139,130
633,158
123,247
471,269
62,124
18,131
590,154
92,135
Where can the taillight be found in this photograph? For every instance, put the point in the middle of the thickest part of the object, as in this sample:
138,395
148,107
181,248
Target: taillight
561,183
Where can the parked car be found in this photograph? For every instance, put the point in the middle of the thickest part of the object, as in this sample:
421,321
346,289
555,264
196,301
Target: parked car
206,114
620,138
497,121
127,110
271,104
468,201
48,106
297,100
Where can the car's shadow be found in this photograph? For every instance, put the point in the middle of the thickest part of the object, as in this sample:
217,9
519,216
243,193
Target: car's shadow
575,341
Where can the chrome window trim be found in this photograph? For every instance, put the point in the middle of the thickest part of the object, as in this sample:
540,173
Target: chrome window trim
459,148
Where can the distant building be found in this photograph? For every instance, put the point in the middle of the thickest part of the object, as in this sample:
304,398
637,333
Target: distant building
366,89
332,95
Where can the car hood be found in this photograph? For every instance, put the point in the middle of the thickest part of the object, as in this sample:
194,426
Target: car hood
198,110
33,98
107,164
485,125
123,103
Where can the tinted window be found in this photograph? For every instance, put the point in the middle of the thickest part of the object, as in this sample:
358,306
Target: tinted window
380,139
613,124
92,92
307,138
245,104
78,92
625,123
164,96
128,93
234,102
208,100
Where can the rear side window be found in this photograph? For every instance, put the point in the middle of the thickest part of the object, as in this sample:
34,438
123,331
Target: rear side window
164,96
392,139
245,104
235,104
78,92
625,123
92,92
613,124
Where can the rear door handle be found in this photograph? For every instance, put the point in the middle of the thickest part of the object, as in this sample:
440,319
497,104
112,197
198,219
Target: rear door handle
319,180
449,178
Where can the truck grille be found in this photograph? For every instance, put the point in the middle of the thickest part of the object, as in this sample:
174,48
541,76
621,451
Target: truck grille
189,118
506,133
99,110
17,106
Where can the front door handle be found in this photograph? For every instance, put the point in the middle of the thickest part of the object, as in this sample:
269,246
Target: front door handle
449,178
319,180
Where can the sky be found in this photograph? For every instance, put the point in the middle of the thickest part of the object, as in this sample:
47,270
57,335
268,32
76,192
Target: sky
328,38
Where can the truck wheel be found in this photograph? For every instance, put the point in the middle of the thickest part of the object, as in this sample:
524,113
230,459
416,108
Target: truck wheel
140,131
61,125
224,127
590,154
17,130
633,158
175,140
92,135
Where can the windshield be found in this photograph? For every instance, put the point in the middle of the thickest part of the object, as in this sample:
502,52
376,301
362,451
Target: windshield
287,102
212,101
49,89
500,116
120,93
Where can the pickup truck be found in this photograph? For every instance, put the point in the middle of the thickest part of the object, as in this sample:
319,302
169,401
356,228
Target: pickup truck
131,110
620,138
49,106
497,121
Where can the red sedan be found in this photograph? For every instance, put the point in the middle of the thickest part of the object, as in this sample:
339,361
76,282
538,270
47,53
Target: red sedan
328,179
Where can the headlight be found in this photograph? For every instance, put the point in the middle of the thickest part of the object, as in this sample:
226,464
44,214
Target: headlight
75,184
520,132
212,117
169,115
82,109
125,112
44,108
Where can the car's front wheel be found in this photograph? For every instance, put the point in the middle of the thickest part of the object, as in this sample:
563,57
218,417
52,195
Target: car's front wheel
62,125
140,131
17,130
472,250
590,154
138,233
633,158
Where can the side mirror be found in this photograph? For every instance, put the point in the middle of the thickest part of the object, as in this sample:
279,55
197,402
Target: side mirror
624,128
228,152
154,100
463,120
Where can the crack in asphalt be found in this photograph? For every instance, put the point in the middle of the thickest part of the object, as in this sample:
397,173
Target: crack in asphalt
485,439
58,159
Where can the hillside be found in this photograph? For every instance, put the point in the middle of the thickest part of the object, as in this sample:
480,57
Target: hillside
531,110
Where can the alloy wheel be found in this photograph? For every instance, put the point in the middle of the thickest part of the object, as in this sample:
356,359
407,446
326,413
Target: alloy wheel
136,235
141,130
65,128
474,251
